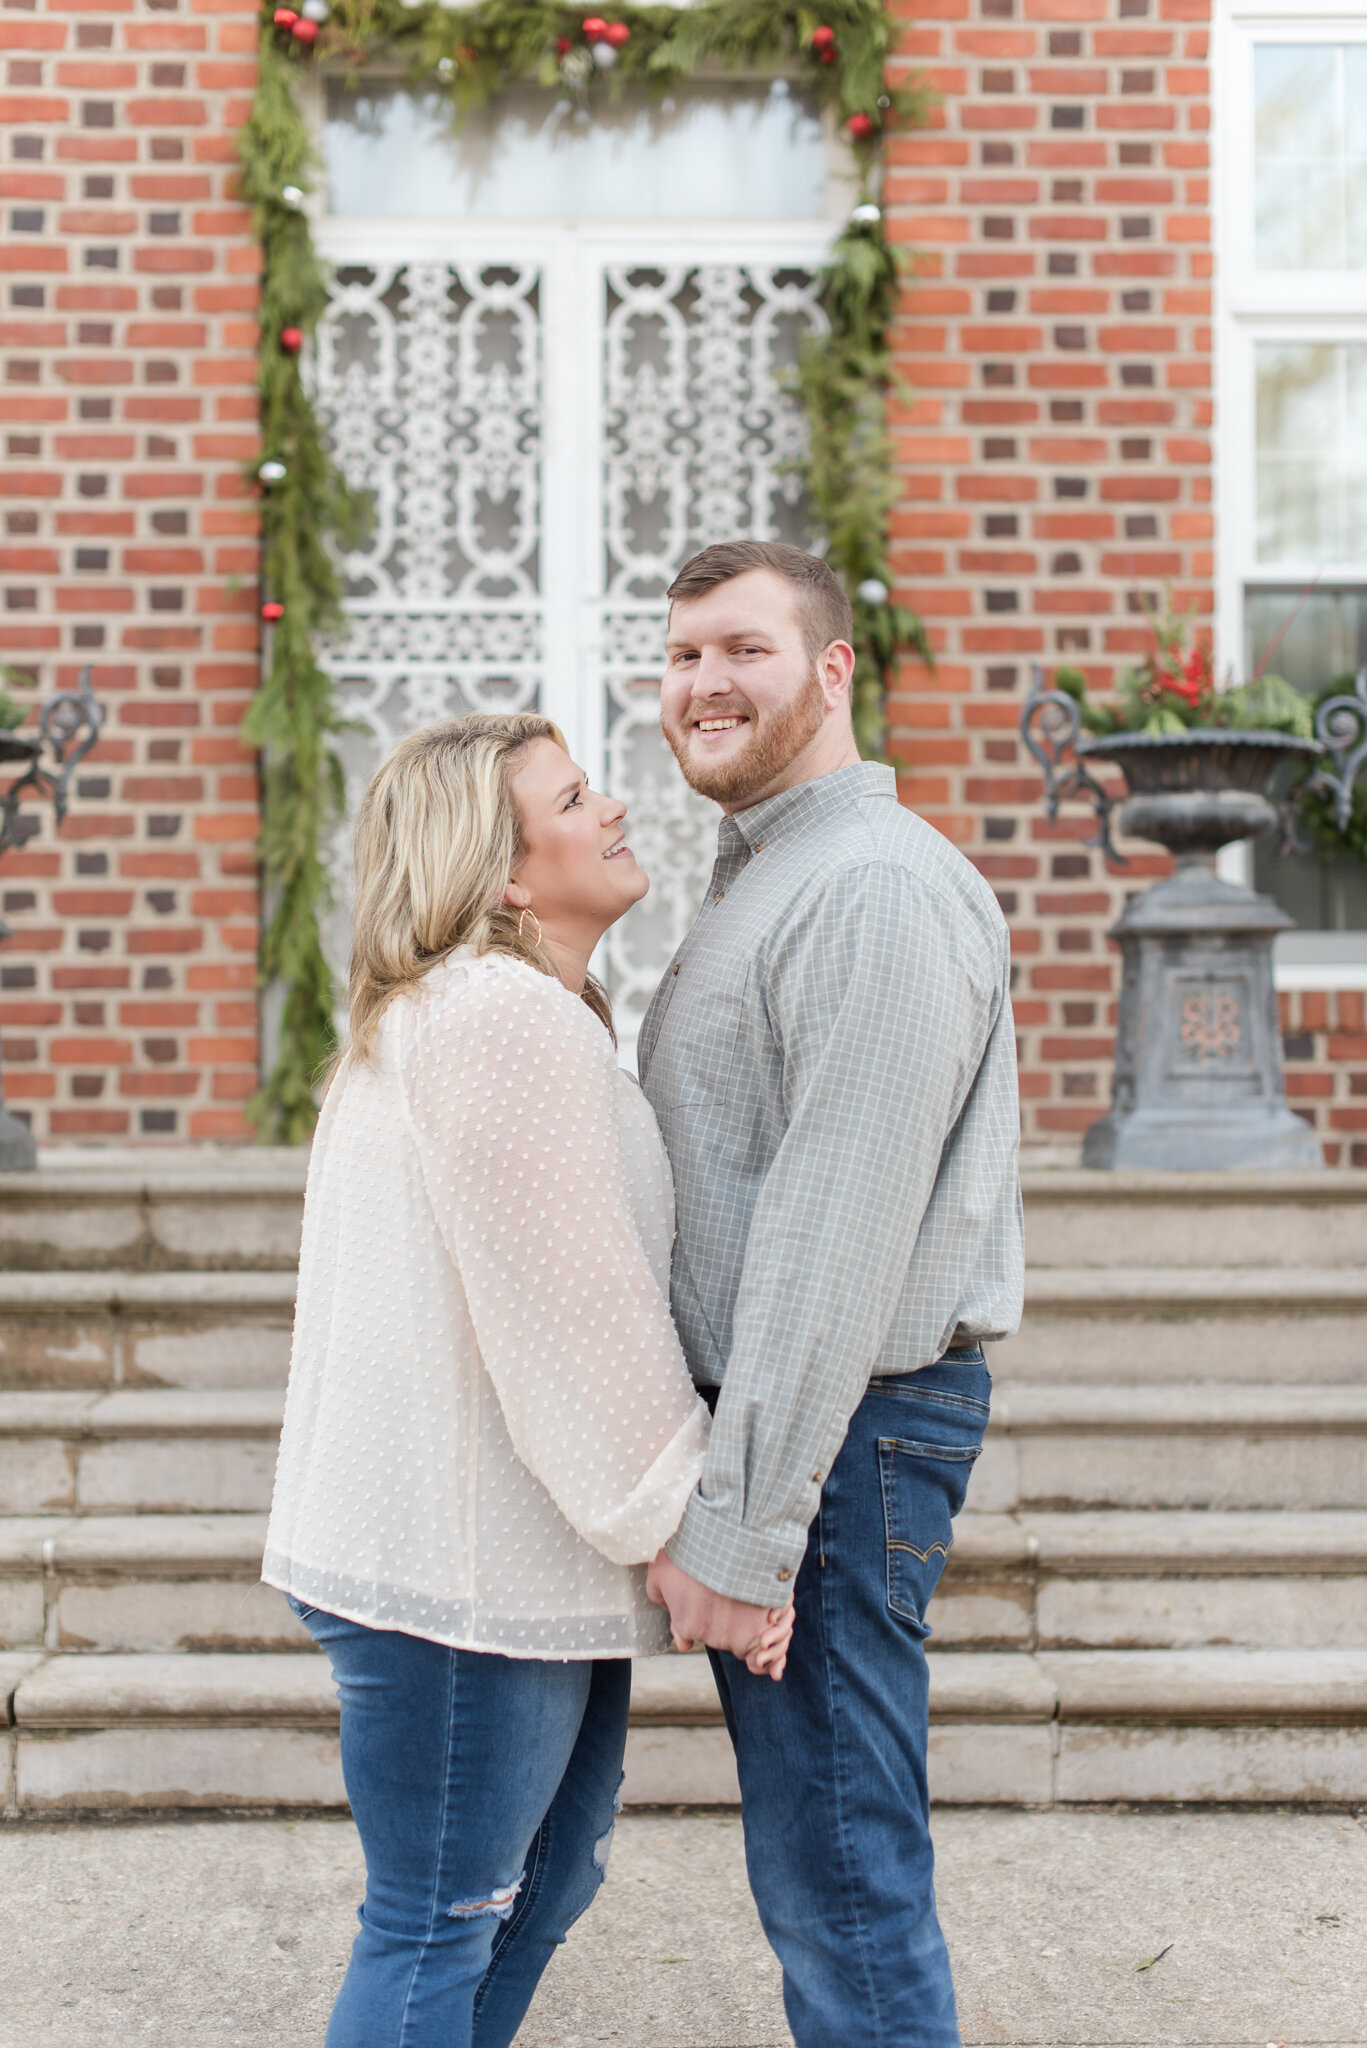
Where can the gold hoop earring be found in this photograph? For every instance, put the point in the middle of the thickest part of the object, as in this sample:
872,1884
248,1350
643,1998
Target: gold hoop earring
528,913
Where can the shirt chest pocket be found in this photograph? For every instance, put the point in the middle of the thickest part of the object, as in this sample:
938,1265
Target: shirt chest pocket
697,1039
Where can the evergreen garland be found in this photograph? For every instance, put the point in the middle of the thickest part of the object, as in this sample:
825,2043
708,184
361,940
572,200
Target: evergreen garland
844,377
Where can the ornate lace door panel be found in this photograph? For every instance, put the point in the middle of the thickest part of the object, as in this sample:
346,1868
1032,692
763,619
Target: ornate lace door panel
432,384
700,441
429,383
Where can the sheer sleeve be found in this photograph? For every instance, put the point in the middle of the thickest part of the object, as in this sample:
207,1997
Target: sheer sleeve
510,1086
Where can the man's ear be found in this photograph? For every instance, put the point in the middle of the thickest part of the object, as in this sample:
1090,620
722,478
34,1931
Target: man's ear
836,671
516,897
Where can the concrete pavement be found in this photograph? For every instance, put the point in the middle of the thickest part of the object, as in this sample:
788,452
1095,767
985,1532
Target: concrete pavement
237,1932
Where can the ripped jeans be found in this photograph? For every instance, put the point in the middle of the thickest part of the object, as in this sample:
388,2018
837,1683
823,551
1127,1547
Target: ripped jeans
484,1789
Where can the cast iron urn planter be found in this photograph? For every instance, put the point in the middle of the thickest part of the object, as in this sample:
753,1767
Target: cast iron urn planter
68,727
1198,1067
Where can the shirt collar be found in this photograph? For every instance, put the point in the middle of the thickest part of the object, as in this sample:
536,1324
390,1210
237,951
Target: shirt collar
802,805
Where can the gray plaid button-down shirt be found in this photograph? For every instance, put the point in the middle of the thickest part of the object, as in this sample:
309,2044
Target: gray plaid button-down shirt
832,1060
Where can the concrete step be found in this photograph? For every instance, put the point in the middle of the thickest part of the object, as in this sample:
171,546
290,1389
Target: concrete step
1110,1580
123,1733
1252,1220
1201,1445
109,1329
202,1206
1178,1321
140,1582
1220,1445
196,1208
137,1451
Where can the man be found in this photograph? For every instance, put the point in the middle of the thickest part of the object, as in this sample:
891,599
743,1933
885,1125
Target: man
831,1058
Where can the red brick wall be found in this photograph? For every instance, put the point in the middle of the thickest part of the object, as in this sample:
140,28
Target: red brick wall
1325,1040
128,282
1055,455
1056,451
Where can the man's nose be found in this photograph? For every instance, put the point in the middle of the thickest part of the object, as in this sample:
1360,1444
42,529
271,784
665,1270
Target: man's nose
712,676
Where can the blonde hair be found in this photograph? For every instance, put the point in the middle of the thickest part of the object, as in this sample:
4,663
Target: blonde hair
438,837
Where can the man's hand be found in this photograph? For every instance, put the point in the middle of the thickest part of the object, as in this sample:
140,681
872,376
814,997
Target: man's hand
760,1635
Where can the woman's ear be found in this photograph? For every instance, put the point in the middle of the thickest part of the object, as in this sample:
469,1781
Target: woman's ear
516,897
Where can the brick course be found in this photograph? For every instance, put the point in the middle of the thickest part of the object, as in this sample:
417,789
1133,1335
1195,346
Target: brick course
127,341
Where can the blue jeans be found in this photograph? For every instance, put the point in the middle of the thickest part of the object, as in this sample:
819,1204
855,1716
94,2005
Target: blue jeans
484,1789
832,1760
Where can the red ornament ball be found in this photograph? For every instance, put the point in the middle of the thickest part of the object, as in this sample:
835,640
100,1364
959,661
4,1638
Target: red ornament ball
291,340
272,611
860,127
823,38
830,55
595,28
285,17
617,33
563,46
305,31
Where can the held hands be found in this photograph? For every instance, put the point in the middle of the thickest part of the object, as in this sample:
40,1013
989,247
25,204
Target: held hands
759,1635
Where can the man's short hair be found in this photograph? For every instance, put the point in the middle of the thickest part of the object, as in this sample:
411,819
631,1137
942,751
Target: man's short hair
823,609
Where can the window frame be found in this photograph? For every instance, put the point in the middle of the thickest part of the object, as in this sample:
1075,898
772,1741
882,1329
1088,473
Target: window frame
1253,306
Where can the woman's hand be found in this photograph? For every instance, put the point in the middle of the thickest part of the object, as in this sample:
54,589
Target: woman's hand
758,1635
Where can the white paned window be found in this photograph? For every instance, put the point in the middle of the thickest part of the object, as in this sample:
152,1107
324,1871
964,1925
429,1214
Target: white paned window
1291,415
1310,155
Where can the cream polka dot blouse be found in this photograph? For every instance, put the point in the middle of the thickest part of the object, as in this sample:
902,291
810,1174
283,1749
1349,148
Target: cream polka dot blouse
490,1425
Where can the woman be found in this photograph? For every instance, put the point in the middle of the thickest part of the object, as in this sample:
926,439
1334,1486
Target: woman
490,1427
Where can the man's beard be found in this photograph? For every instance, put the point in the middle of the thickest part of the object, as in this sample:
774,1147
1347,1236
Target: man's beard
774,742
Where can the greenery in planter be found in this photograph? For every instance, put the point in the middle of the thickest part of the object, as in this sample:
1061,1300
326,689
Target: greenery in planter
1172,690
838,54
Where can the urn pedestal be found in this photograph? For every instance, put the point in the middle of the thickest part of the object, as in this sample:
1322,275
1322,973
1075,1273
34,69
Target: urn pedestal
1198,1068
1198,1065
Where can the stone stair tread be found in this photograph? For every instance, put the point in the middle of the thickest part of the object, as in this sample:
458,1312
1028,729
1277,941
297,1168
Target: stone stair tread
1218,1685
1151,1540
1121,1288
155,1545
1142,1541
65,1290
91,1691
144,1411
1176,1407
1118,1189
1152,1686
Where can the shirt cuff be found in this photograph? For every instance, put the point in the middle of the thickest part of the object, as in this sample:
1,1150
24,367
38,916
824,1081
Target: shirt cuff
758,1566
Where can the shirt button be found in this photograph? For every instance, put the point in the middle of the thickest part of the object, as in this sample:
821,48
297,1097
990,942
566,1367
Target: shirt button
720,893
784,1572
676,966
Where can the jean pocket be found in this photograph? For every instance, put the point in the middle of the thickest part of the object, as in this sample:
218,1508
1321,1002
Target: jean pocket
923,1487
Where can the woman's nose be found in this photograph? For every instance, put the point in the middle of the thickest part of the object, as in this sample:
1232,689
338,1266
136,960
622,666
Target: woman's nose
614,810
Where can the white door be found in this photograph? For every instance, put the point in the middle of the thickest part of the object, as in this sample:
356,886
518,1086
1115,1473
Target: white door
552,418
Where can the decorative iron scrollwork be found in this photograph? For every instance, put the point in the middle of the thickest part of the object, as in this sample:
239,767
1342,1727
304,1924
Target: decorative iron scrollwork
1050,725
68,726
1341,725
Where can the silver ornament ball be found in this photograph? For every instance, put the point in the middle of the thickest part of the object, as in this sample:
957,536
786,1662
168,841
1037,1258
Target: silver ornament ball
272,472
604,56
315,10
872,591
292,197
866,214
